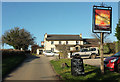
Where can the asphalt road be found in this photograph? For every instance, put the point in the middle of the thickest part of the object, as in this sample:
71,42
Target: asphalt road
94,62
33,68
38,68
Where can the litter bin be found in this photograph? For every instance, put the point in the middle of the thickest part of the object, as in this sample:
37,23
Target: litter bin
77,67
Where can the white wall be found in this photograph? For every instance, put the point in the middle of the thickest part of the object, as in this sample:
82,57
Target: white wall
56,42
37,51
81,42
71,42
48,45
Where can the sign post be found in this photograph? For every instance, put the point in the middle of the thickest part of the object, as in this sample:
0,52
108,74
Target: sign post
101,53
102,23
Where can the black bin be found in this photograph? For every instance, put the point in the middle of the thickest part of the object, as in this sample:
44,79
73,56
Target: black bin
77,67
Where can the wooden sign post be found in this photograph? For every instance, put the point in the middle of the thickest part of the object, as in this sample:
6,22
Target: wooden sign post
102,23
101,53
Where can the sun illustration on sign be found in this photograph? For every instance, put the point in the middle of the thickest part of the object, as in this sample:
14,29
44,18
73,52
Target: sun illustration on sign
102,17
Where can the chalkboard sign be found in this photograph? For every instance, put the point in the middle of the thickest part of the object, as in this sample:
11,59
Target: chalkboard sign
77,67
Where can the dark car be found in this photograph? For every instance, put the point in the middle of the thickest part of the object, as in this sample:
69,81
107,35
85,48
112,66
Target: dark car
113,62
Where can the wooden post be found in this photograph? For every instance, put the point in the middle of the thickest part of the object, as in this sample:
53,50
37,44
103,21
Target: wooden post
59,55
101,54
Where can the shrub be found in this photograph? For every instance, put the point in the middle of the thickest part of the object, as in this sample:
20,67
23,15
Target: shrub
106,49
10,53
117,46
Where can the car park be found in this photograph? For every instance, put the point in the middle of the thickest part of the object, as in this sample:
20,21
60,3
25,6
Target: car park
88,52
113,63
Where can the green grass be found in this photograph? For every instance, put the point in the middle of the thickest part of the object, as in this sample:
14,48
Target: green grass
10,63
34,54
91,72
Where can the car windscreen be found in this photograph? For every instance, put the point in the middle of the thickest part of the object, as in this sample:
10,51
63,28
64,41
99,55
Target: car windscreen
92,49
116,55
48,51
84,50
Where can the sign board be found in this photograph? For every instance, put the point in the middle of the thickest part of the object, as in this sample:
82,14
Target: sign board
77,67
102,19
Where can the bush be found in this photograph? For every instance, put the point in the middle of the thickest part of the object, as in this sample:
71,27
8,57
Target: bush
106,49
10,53
11,59
117,46
109,48
34,54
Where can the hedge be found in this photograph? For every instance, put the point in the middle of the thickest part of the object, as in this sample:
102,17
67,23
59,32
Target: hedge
10,53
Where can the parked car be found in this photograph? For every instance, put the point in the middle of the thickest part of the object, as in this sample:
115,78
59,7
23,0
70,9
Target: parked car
48,53
113,62
44,52
56,54
88,52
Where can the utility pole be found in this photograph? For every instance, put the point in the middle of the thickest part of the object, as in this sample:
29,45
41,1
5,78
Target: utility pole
101,53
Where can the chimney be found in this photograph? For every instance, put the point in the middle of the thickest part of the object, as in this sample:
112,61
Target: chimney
80,35
42,43
45,35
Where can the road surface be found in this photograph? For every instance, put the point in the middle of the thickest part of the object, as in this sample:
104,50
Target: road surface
33,68
94,62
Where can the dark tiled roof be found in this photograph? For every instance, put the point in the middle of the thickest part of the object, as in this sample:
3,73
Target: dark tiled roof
91,39
91,42
63,37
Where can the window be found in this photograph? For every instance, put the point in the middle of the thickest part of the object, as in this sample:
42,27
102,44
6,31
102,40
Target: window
52,49
52,42
48,51
93,49
76,48
59,42
84,50
85,42
117,54
77,42
66,42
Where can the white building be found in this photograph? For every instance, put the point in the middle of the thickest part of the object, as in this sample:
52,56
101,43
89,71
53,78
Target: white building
75,42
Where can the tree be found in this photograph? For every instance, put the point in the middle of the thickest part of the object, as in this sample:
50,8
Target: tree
0,42
106,39
63,50
34,48
117,30
106,48
95,36
18,38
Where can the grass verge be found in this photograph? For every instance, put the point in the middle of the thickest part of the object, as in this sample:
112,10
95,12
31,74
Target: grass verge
34,54
10,63
91,72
